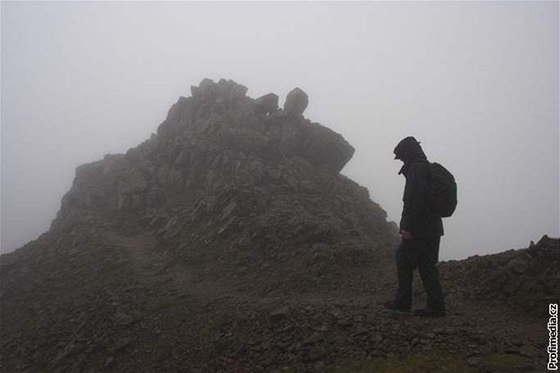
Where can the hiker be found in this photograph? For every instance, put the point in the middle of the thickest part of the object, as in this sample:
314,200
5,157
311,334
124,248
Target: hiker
420,230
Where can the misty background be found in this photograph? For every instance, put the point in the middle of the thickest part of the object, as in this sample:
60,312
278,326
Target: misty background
477,83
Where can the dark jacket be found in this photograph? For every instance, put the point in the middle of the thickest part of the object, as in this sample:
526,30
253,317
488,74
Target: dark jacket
416,216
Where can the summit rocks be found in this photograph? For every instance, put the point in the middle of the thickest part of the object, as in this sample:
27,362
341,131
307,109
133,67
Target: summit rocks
239,187
235,166
231,207
296,102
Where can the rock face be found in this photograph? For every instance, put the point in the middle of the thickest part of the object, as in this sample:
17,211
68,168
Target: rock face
225,167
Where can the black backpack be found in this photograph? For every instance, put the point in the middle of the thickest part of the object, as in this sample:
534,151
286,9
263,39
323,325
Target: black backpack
443,191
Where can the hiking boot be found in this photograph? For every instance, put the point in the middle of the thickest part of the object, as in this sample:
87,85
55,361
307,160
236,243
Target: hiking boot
428,312
396,309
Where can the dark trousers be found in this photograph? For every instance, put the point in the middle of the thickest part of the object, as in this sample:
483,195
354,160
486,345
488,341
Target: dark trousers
421,253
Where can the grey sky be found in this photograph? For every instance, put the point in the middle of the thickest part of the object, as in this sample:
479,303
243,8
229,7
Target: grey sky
476,83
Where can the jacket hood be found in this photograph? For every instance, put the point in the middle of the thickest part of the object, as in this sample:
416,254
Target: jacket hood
409,150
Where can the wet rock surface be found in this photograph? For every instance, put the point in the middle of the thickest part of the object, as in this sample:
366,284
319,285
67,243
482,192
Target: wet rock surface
230,242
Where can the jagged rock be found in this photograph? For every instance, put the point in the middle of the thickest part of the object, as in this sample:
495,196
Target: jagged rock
206,89
266,104
230,90
296,102
206,147
325,147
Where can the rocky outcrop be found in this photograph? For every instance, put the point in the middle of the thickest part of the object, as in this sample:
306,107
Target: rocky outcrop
527,278
232,195
266,104
224,166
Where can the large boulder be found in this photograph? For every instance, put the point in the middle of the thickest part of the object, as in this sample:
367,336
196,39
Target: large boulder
296,102
266,104
326,148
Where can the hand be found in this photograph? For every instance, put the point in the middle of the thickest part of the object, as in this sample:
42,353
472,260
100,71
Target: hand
406,235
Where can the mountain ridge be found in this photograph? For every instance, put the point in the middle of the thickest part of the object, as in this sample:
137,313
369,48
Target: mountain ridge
229,241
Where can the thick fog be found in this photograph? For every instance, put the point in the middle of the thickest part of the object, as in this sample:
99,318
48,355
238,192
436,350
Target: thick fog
476,83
